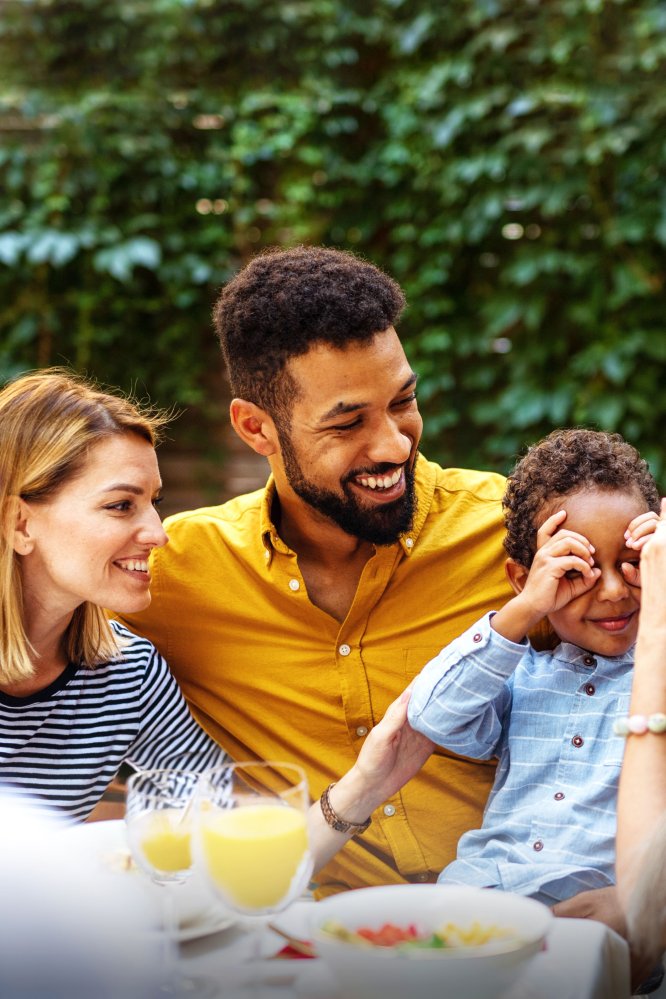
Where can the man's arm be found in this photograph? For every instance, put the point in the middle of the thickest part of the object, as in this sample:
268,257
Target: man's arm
390,756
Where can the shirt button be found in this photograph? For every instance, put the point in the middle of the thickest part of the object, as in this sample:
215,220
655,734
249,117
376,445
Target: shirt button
389,810
477,637
589,660
538,846
409,542
421,878
361,730
578,741
589,689
558,795
344,650
294,585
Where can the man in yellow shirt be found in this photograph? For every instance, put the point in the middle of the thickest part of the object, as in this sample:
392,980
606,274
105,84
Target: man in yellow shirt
294,615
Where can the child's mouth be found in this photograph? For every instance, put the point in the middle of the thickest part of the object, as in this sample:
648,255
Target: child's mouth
614,623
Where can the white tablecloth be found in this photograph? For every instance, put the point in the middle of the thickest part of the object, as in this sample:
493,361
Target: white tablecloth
583,960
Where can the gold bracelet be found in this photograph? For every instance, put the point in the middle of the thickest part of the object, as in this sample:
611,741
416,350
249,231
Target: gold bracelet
334,820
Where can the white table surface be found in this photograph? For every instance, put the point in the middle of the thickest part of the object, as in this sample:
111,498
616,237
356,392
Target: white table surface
583,960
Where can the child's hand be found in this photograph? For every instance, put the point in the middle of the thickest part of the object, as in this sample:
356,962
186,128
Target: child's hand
563,567
639,531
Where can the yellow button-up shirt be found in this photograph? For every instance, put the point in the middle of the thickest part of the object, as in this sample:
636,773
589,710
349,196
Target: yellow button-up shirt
269,675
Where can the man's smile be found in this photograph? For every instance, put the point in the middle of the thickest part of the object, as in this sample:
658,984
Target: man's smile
383,486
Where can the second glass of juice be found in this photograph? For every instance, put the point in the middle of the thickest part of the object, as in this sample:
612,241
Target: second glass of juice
252,837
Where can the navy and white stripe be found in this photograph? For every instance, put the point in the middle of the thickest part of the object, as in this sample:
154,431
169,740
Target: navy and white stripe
65,744
549,824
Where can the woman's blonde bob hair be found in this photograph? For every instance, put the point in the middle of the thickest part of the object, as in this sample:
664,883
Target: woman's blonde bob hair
49,421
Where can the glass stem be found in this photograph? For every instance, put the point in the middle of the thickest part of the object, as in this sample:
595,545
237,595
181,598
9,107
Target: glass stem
169,929
256,930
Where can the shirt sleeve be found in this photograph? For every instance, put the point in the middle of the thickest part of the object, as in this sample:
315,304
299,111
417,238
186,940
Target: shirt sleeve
462,697
169,737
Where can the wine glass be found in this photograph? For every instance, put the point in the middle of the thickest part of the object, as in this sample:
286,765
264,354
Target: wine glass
251,839
158,820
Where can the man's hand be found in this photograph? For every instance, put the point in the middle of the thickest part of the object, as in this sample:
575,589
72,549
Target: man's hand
640,530
392,752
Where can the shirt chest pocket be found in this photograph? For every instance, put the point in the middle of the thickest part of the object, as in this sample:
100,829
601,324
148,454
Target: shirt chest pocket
614,753
615,744
416,657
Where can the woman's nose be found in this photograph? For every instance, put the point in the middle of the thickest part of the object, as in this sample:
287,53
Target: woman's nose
152,530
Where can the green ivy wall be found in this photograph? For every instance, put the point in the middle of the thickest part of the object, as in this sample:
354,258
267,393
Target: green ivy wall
504,159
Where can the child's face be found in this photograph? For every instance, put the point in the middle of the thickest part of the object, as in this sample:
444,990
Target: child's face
604,619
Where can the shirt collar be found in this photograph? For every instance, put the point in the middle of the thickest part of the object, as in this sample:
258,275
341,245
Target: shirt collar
424,491
575,656
270,538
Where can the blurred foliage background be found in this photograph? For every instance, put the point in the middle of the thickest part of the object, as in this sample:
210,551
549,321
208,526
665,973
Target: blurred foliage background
503,159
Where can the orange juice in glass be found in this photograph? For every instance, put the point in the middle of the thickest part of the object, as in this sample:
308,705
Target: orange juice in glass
252,837
158,819
163,841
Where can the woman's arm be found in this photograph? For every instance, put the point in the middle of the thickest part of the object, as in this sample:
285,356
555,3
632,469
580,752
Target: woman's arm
392,753
642,794
641,832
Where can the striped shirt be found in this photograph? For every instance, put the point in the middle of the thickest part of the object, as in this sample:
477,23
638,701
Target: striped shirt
549,825
64,744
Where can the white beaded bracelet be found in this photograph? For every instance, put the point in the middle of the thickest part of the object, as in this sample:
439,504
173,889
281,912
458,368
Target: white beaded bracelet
640,724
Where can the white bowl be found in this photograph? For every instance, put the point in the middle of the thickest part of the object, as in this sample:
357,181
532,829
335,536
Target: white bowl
479,972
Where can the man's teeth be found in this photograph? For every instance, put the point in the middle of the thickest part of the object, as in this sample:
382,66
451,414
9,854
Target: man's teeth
134,565
381,481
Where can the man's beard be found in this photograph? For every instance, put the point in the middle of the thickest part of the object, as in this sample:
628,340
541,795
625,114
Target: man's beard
381,525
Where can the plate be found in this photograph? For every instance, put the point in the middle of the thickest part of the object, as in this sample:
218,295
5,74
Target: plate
204,927
106,843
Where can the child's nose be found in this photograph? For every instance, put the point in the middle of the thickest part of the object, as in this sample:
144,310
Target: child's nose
612,585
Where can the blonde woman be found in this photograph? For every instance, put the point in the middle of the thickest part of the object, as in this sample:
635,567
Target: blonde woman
79,488
79,694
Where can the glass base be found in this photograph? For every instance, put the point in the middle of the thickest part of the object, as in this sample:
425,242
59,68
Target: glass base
190,987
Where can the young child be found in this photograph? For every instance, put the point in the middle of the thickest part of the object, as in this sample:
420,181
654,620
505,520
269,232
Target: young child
578,508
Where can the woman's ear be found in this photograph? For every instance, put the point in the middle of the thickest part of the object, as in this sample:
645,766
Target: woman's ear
516,574
22,540
254,426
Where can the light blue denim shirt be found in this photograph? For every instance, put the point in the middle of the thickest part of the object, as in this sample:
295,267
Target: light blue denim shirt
549,825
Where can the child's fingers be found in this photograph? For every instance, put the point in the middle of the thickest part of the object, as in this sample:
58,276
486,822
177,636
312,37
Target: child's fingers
640,529
561,537
563,545
550,526
583,582
574,568
631,573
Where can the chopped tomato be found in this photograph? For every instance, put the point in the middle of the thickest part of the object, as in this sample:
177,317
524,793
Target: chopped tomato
389,934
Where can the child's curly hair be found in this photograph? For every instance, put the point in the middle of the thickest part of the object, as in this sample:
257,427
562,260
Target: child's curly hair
568,461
